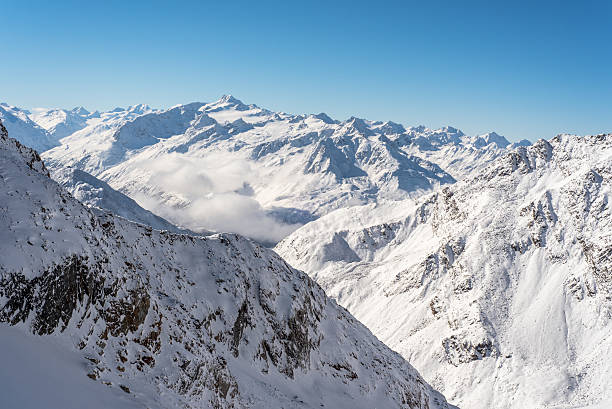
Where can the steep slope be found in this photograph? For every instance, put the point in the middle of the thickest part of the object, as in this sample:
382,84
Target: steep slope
40,372
95,193
18,123
507,277
231,166
168,320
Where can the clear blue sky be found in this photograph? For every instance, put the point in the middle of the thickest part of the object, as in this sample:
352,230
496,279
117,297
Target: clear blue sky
524,69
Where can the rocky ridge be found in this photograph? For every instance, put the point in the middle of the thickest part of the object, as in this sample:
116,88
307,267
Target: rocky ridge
179,321
507,275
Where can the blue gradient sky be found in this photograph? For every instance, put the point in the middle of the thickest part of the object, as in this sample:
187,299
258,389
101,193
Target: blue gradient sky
524,69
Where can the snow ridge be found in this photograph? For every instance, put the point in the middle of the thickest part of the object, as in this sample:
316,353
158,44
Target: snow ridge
95,193
18,122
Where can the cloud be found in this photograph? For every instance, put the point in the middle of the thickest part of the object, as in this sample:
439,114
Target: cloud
212,193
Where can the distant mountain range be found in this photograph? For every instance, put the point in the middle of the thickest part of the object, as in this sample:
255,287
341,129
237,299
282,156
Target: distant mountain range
487,264
229,166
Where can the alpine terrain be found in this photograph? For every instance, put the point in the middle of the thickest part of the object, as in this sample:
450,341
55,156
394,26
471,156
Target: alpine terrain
95,193
157,319
229,166
365,229
485,264
497,288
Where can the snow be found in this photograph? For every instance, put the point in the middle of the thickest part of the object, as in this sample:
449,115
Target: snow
61,122
42,372
172,320
496,273
18,122
95,193
284,165
485,264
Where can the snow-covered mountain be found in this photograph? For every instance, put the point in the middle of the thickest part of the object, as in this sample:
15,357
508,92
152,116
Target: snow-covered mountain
157,319
18,122
458,154
62,122
497,288
229,166
43,129
93,192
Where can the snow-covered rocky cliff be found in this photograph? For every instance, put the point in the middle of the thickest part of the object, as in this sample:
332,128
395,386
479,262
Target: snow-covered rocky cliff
497,288
166,320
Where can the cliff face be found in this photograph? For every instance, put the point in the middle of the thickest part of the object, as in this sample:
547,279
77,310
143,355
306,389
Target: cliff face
179,321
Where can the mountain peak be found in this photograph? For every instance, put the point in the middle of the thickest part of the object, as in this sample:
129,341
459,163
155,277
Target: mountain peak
451,130
491,138
139,108
324,117
356,122
418,129
229,99
522,142
390,127
81,111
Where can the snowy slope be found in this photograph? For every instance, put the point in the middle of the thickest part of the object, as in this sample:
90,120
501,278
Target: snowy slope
229,166
95,193
498,288
17,121
165,320
85,187
95,138
41,372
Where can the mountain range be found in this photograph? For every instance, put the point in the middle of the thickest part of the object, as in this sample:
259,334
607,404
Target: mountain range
486,264
158,319
229,166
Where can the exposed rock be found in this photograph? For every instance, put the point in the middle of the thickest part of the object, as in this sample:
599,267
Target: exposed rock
182,321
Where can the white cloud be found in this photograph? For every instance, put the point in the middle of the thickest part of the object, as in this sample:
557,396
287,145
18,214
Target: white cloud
214,188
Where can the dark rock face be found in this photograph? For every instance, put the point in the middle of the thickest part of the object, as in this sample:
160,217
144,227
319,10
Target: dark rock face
51,298
463,351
